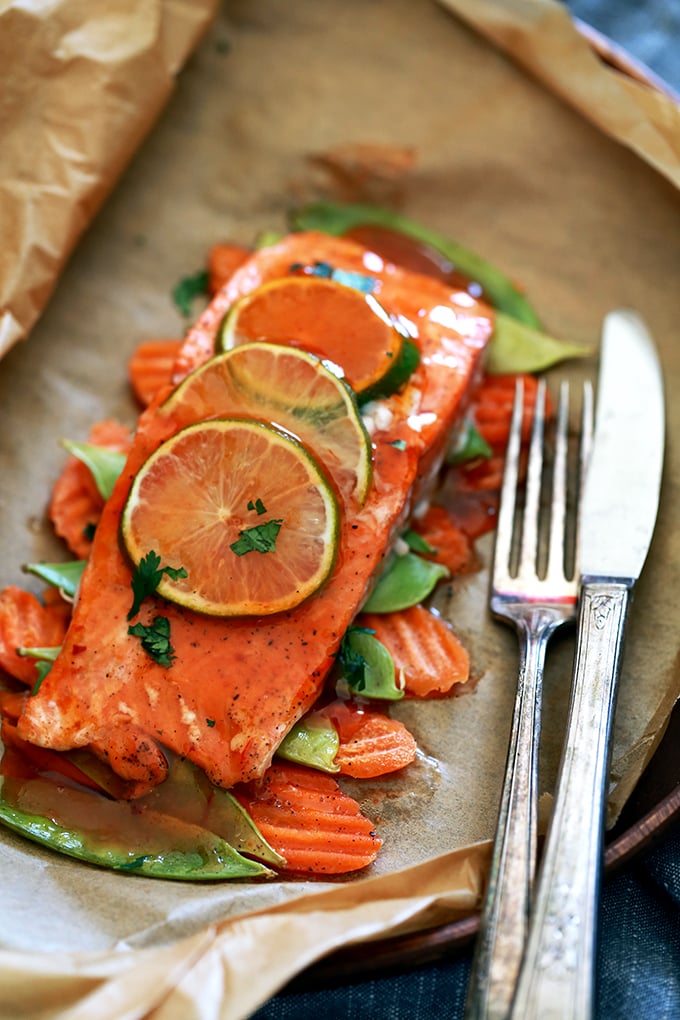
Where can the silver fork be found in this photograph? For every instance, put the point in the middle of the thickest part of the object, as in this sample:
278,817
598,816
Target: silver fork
535,604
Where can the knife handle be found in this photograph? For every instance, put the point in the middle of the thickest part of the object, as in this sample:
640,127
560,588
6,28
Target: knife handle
557,975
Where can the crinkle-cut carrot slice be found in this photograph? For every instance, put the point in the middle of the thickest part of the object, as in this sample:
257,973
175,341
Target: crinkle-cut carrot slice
76,505
492,407
307,818
372,744
26,623
492,413
150,367
451,545
223,259
424,648
472,488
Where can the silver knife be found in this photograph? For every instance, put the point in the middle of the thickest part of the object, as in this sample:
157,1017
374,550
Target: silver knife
620,501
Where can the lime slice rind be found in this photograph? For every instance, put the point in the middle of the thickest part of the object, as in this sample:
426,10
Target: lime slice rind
288,308
293,389
190,504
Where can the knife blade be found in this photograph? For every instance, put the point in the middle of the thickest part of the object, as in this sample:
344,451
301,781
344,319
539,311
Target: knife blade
619,509
621,492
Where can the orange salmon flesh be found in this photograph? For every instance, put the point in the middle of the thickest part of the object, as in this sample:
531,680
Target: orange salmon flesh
238,685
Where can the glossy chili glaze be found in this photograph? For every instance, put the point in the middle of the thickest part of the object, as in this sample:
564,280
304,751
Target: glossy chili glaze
235,687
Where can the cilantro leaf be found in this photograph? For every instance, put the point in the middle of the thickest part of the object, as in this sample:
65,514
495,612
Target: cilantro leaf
155,639
367,668
188,288
147,576
261,538
351,661
258,506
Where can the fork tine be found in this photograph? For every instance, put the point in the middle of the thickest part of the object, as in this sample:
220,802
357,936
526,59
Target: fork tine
585,447
532,500
508,497
558,506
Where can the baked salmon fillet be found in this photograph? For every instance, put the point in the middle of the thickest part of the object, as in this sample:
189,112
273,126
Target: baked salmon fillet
237,685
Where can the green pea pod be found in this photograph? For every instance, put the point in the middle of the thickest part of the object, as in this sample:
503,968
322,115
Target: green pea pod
376,678
470,446
228,819
189,795
338,219
105,465
408,580
417,543
268,237
314,741
41,654
44,657
517,347
79,823
64,576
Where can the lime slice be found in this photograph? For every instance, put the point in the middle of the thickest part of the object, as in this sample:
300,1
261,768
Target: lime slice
295,390
341,324
241,510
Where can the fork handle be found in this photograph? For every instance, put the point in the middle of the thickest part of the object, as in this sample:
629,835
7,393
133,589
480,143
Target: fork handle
557,976
505,916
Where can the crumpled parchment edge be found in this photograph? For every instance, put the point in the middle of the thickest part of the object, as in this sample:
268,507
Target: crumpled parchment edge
78,99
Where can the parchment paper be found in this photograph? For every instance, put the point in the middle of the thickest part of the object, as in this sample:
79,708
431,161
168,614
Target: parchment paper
82,83
506,167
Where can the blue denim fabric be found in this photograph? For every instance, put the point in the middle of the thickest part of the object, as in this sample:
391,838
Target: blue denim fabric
638,961
639,956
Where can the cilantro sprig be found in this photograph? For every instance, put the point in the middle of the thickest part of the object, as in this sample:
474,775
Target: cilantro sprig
366,667
146,577
351,661
155,637
260,538
188,289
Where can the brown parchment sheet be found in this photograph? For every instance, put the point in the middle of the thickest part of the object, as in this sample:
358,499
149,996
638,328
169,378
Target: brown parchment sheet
567,205
82,83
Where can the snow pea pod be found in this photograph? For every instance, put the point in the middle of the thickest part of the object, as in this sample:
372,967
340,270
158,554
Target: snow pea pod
408,580
518,343
64,576
314,741
105,465
336,218
146,842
